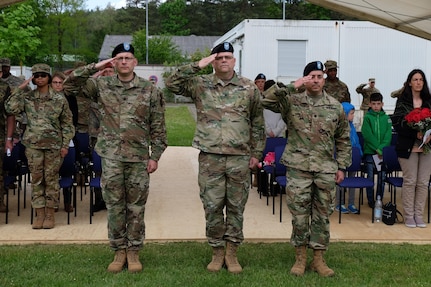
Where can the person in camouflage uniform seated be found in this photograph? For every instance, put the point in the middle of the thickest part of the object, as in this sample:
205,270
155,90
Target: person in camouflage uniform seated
230,135
46,139
317,128
131,122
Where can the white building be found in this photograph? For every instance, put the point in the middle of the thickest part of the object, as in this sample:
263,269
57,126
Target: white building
281,49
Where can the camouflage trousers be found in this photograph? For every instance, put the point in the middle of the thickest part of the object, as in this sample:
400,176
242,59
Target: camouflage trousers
125,188
44,165
224,182
310,198
3,173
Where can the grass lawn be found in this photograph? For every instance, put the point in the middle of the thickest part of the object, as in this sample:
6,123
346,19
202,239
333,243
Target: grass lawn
184,264
180,126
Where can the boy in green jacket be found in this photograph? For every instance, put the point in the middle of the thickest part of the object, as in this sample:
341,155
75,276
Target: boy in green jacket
377,132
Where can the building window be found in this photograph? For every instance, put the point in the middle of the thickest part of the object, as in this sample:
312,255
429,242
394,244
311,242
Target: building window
291,58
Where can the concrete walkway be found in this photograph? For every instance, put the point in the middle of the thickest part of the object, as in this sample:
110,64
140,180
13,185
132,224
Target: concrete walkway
174,213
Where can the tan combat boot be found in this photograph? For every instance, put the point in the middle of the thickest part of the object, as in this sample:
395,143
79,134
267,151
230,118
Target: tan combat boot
319,265
298,268
49,221
119,261
217,260
133,263
40,217
231,260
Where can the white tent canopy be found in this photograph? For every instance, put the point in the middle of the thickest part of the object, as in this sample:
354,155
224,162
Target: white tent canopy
410,16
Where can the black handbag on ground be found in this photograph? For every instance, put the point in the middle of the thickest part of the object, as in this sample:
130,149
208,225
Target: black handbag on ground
391,214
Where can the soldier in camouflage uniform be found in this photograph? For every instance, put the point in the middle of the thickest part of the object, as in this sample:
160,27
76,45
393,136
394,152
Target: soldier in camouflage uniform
333,85
366,93
230,135
7,125
14,82
46,139
132,120
317,124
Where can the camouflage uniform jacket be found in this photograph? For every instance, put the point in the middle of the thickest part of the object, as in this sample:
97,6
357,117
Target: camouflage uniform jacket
4,95
50,123
132,115
315,129
13,81
229,115
366,93
338,90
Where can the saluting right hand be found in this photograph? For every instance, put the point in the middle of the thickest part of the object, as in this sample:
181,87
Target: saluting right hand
206,61
24,84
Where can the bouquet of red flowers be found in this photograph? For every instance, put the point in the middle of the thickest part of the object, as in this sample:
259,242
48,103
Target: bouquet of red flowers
420,120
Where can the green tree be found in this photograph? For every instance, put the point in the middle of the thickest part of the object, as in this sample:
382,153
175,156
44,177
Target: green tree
161,49
174,18
64,30
19,37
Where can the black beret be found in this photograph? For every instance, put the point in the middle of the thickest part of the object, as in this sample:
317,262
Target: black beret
223,47
268,84
260,76
313,66
123,47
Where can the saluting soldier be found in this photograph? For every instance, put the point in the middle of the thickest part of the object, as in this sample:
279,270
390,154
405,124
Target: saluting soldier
49,131
333,85
317,127
132,120
230,135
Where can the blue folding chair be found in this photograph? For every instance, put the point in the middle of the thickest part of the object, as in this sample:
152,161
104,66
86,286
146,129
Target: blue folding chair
83,153
392,168
264,173
356,181
280,178
68,171
10,173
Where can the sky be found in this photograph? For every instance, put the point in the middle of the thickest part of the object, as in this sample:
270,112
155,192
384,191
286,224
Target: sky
92,4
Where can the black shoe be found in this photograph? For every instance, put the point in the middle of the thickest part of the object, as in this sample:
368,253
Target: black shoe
371,204
99,206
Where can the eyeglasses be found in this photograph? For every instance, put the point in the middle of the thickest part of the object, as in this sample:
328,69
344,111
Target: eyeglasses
224,58
40,75
57,83
127,59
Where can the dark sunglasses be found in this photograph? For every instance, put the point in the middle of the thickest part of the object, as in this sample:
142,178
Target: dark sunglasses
40,75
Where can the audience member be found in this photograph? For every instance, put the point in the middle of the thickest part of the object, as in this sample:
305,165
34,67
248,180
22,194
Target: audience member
57,85
230,136
317,127
349,110
377,132
274,124
415,162
132,121
47,138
